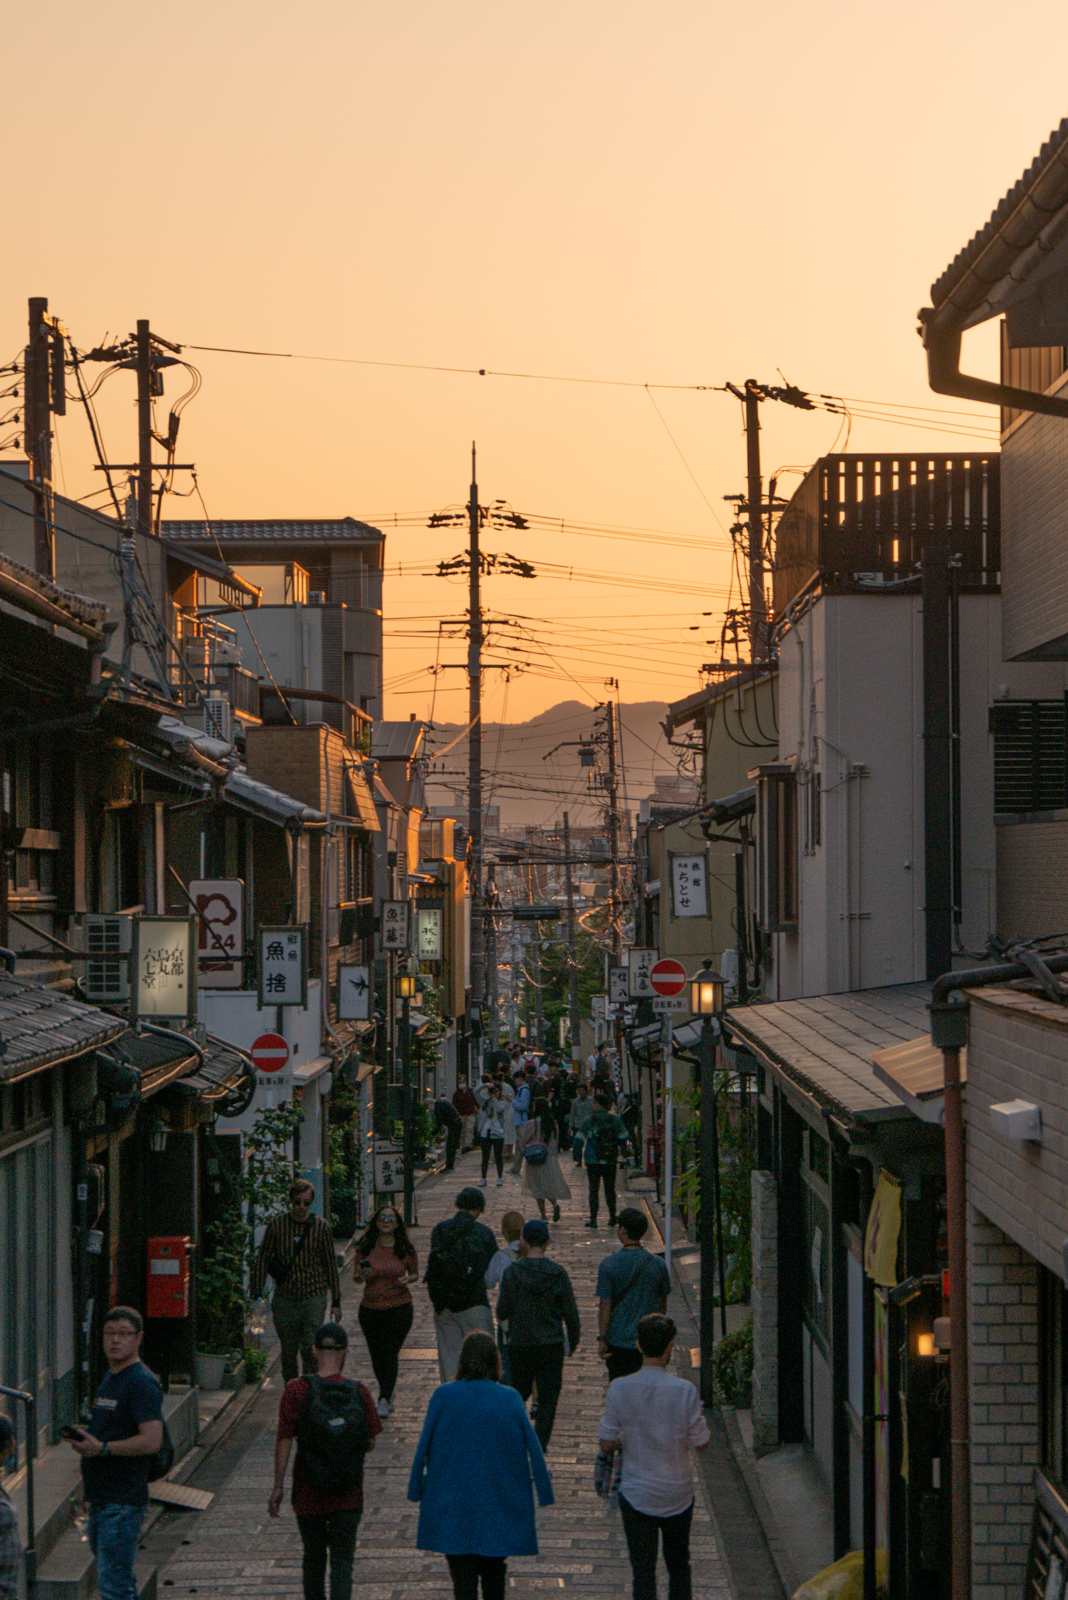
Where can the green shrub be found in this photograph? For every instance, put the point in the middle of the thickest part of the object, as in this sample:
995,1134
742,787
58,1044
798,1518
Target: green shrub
732,1369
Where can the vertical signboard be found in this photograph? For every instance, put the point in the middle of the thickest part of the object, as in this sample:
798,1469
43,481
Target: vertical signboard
640,964
219,906
689,886
162,968
394,924
283,966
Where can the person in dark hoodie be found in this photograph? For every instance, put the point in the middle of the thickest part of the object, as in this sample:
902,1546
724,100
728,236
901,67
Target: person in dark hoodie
537,1307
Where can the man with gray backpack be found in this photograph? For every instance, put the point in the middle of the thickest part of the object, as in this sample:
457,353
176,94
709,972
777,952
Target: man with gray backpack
334,1422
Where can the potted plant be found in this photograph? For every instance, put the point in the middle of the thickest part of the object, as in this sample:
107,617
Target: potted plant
222,1300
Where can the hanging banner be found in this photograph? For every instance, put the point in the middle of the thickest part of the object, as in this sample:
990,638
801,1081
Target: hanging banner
883,1231
689,886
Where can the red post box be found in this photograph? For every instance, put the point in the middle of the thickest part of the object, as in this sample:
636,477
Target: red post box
168,1277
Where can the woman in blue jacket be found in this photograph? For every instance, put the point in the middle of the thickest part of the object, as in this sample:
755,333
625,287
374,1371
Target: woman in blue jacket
472,1474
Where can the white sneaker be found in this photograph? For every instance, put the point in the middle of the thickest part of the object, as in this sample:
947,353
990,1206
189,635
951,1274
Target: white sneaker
481,1183
385,1407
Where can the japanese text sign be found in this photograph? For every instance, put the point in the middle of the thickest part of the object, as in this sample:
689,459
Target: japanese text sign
163,968
428,934
283,966
689,886
394,924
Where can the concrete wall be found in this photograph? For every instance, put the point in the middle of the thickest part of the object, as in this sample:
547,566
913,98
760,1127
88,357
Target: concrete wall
764,1300
1032,877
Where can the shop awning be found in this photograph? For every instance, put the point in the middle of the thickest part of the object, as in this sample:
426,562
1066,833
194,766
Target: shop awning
41,1027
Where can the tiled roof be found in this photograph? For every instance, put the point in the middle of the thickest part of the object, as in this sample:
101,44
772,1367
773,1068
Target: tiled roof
17,580
41,1027
824,1043
1050,167
314,531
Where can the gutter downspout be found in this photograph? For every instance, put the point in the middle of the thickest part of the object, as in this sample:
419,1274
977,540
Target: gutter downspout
949,1033
942,344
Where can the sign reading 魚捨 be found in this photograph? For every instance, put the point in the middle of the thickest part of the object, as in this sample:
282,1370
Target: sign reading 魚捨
283,966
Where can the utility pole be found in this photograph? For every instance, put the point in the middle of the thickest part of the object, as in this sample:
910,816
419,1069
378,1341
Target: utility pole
44,394
572,948
613,833
144,428
474,762
758,615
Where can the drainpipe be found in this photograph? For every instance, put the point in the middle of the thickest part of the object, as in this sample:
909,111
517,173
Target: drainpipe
949,1033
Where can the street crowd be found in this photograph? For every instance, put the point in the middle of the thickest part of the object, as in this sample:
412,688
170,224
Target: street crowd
480,1461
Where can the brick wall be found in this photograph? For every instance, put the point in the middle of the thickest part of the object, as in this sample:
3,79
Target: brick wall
765,1305
1003,1340
1032,878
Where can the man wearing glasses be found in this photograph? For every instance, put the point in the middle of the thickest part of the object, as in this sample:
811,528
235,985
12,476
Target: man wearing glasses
298,1253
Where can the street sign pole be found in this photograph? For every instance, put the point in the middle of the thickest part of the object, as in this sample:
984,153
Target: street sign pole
668,1049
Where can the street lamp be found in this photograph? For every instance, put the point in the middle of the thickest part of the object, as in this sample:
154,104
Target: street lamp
706,1002
407,984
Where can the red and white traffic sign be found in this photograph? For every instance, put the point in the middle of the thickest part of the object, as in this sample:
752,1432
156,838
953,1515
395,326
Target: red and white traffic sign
668,977
270,1053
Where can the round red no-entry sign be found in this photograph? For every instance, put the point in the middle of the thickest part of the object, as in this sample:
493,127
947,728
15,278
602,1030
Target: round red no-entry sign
270,1052
668,977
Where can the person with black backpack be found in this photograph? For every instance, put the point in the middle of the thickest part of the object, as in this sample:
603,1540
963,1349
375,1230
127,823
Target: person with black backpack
461,1248
334,1422
605,1136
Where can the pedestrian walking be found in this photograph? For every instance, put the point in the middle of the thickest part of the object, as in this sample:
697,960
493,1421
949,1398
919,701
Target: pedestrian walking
655,1419
446,1116
466,1104
334,1422
297,1252
491,1133
508,1100
631,1284
512,1228
579,1114
461,1248
476,1467
537,1307
10,1544
125,1429
605,1135
385,1263
539,1146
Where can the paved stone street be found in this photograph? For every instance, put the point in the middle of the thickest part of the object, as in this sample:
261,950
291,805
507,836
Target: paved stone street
234,1550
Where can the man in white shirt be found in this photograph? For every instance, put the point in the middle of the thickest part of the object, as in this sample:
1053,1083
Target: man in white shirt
655,1418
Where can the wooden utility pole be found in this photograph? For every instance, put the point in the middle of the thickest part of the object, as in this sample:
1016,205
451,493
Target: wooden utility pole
38,406
758,613
144,428
474,759
613,834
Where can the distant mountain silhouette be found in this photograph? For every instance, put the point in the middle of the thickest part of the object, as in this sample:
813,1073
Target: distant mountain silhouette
532,786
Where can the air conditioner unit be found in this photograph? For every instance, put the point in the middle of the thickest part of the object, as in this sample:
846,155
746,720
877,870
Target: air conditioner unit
317,597
107,944
217,718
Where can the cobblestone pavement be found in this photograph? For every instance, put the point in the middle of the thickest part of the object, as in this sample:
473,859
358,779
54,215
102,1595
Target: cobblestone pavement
234,1550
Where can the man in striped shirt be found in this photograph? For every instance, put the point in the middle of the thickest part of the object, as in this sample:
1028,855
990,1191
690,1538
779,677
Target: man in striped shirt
298,1253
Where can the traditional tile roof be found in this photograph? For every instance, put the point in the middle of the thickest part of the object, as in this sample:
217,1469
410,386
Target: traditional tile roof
824,1044
40,1027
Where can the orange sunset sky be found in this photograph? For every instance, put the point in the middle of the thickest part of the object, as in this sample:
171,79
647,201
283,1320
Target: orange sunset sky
584,199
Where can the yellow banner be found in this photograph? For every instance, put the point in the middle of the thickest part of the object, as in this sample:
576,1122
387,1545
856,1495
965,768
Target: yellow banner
884,1227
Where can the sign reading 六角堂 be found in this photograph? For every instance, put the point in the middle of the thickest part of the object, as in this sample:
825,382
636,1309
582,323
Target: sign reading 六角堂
689,886
163,968
283,966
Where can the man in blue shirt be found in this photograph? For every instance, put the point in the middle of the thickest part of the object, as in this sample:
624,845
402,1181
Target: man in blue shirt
631,1284
125,1429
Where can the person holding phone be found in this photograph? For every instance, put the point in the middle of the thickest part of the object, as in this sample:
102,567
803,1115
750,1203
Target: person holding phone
385,1263
125,1428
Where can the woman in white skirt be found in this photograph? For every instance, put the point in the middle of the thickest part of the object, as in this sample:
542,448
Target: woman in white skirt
542,1179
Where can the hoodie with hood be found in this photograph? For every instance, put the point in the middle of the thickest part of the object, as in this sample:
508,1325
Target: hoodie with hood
537,1303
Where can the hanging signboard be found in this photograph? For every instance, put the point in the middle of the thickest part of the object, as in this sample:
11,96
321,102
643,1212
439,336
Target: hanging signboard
618,985
689,886
283,966
428,933
394,924
219,905
163,968
354,994
389,1168
640,964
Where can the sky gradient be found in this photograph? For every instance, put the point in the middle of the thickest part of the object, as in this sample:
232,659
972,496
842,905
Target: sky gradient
586,191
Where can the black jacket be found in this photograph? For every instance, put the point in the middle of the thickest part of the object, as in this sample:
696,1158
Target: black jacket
538,1303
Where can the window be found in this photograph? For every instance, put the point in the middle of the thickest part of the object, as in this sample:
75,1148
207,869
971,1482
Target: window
777,848
1030,755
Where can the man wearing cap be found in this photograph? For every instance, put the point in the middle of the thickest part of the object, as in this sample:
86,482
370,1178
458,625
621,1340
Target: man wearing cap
631,1284
461,1248
327,1518
10,1548
298,1253
537,1307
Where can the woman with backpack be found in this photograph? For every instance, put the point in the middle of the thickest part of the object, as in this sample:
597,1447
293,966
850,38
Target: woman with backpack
476,1467
539,1146
385,1263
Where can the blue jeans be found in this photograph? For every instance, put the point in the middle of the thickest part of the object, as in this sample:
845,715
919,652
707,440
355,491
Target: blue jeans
113,1534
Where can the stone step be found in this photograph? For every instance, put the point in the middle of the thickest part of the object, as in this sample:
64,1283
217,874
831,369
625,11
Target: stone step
69,1572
